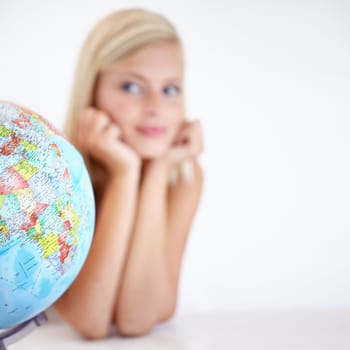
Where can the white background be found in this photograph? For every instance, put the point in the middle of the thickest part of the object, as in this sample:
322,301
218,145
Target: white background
270,81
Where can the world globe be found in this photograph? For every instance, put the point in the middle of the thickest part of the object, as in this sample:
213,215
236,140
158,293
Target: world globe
47,214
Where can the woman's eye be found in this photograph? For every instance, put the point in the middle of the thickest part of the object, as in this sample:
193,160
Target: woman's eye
133,88
171,90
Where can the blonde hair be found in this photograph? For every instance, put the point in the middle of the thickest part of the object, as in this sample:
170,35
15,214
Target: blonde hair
115,37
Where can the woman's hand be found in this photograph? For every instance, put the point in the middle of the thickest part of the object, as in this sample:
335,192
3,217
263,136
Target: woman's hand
100,138
188,143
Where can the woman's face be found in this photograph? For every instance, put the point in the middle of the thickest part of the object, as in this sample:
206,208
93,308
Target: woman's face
143,95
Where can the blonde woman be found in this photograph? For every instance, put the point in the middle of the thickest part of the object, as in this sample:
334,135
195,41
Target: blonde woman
127,117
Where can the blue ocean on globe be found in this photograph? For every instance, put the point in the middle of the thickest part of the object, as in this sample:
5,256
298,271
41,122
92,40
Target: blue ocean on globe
47,214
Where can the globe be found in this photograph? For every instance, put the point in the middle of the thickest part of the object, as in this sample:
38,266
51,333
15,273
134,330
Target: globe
47,214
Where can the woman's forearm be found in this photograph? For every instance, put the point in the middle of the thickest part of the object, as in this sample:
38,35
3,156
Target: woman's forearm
145,282
89,303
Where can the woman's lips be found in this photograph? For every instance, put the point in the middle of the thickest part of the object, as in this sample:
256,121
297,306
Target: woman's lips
151,131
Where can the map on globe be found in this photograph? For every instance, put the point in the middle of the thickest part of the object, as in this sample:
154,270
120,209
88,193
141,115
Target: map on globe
47,214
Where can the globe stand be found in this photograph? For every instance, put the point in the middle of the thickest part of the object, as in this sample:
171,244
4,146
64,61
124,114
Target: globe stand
14,334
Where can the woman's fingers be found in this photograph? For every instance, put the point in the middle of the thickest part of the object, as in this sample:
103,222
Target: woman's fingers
99,123
95,128
191,138
111,133
100,137
188,142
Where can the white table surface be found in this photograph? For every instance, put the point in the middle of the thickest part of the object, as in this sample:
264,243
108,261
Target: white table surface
309,330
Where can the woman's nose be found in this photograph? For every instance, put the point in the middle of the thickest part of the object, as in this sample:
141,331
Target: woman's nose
154,104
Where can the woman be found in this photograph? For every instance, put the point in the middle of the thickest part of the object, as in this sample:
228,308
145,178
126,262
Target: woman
127,117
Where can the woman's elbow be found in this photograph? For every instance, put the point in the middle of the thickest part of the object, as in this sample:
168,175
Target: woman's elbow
92,332
169,307
141,324
139,328
87,328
